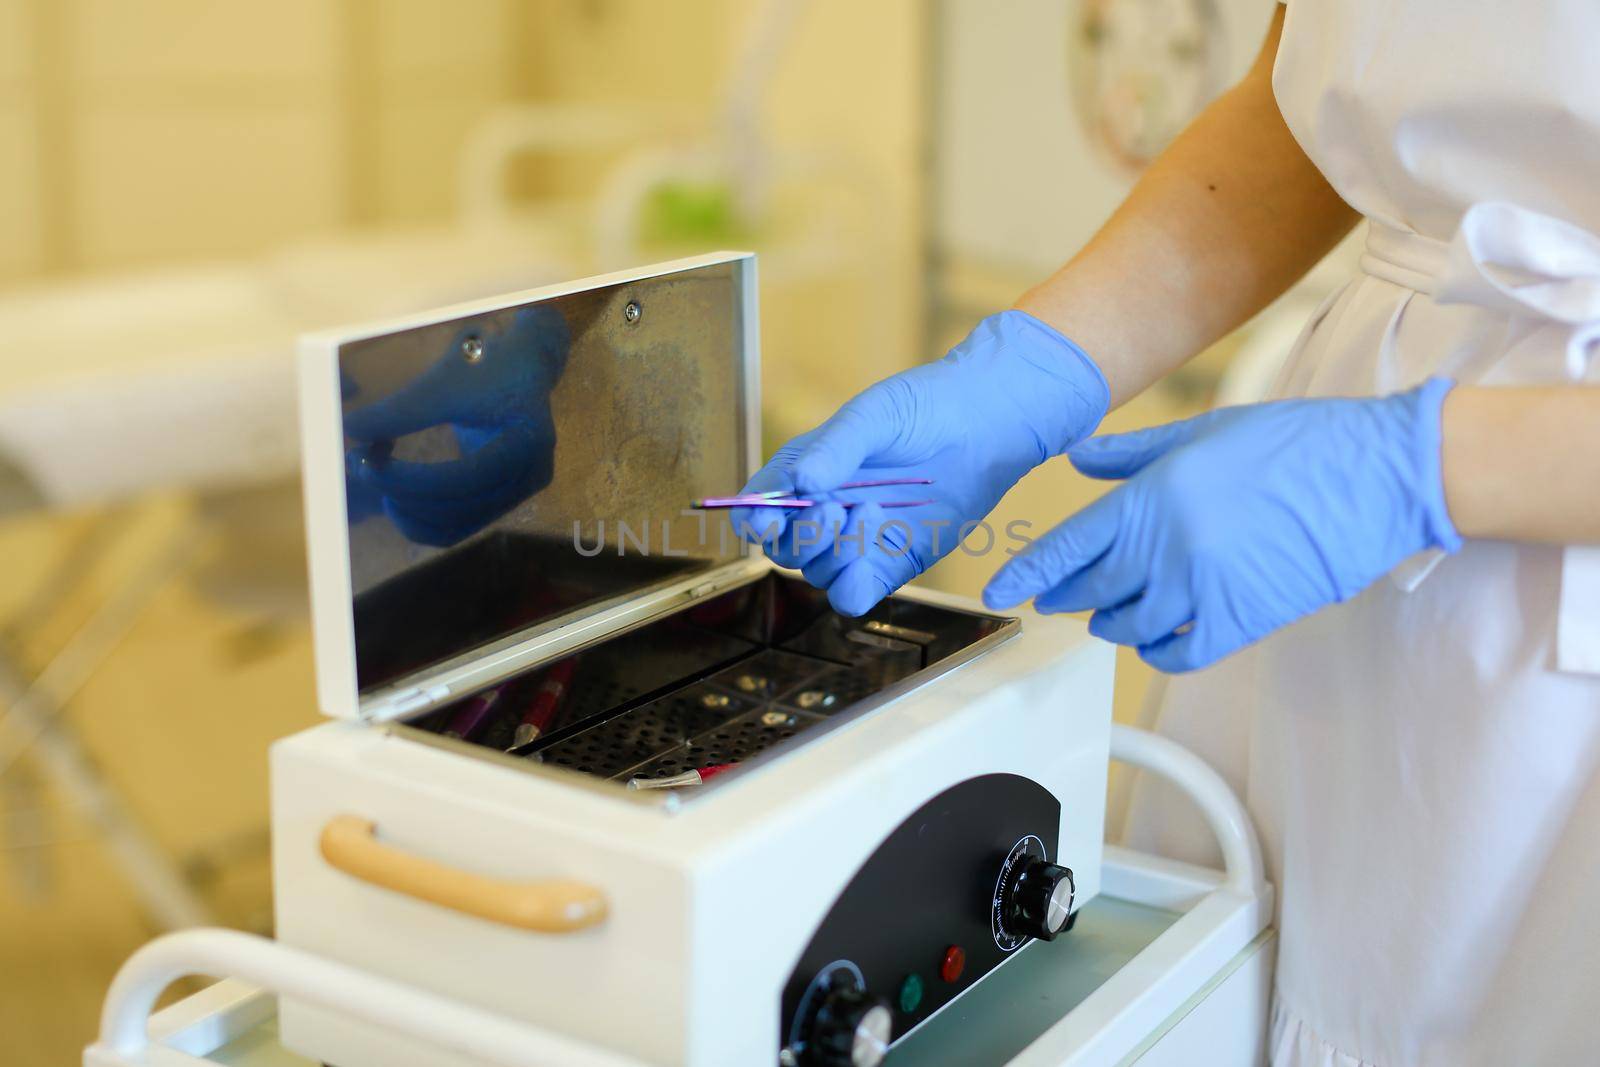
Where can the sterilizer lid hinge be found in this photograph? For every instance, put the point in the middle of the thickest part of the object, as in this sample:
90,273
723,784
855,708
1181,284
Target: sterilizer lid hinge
404,702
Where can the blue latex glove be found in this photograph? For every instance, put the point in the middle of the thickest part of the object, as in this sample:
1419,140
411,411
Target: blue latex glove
497,408
1240,521
1010,396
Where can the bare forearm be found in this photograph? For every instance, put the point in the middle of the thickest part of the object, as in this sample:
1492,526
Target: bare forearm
1523,464
1225,220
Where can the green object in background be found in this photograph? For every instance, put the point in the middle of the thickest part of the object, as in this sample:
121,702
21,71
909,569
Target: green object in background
690,212
910,993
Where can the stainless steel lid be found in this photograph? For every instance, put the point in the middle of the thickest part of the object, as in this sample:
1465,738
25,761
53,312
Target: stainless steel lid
488,484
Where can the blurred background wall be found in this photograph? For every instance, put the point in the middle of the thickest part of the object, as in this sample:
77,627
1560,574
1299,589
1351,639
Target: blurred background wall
185,185
165,132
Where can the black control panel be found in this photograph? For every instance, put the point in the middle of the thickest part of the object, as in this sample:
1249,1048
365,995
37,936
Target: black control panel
947,897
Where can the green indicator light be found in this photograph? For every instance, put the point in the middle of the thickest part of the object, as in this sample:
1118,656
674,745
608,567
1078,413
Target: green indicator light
910,994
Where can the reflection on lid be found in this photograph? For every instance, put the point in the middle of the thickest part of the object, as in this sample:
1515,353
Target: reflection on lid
506,470
488,397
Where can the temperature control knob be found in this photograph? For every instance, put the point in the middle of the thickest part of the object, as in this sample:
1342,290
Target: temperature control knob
851,1028
1038,900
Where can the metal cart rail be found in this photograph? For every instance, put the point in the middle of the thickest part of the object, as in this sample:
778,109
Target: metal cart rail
1170,959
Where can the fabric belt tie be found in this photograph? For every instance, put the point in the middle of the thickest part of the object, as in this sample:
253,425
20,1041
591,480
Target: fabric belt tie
1541,270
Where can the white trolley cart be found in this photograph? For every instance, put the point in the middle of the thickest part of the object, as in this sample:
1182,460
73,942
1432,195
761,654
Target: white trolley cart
1170,964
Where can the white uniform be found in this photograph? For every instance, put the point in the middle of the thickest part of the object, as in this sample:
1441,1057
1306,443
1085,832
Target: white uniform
1424,761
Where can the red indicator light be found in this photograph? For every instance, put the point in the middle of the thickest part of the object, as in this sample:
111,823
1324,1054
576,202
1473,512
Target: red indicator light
954,962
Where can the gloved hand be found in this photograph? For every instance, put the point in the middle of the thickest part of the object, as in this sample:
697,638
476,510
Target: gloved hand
497,407
1240,521
1010,396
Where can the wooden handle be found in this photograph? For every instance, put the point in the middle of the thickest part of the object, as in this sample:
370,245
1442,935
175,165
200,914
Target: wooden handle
553,906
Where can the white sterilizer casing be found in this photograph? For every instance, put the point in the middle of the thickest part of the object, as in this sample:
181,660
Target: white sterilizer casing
522,634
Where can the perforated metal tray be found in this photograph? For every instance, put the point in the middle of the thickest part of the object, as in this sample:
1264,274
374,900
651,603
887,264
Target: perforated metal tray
728,681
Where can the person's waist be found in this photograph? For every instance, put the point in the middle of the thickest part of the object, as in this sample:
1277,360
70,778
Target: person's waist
1544,271
1412,260
1508,259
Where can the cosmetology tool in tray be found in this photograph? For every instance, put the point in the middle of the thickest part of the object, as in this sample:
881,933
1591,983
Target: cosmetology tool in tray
785,498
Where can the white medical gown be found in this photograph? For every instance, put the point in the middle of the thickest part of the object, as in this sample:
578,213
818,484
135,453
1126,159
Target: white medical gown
1424,760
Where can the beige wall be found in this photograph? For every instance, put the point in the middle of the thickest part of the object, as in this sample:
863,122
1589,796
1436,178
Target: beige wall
20,238
847,87
159,131
854,82
162,130
430,69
